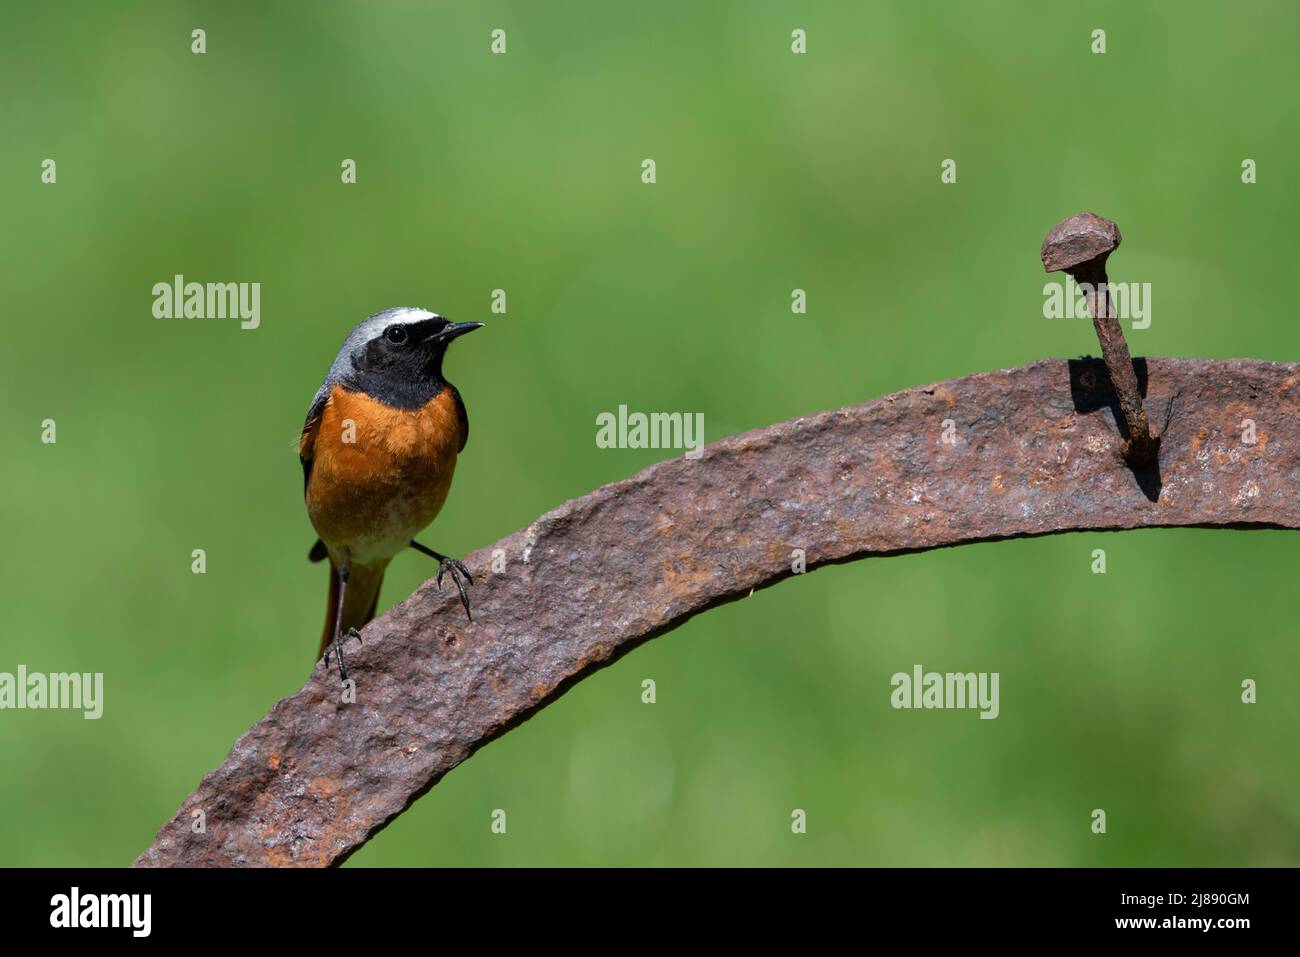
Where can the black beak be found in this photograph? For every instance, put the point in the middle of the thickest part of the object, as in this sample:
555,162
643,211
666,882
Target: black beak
457,329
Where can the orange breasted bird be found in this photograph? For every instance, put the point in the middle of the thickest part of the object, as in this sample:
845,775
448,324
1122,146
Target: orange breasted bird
378,451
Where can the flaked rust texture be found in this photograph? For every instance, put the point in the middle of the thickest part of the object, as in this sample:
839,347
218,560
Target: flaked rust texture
1083,238
1036,452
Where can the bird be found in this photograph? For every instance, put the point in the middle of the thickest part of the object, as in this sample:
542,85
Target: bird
378,450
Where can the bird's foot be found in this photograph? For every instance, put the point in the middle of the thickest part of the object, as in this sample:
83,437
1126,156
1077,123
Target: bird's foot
455,568
457,571
336,649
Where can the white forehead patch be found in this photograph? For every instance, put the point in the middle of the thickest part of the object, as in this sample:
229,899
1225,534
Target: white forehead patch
374,325
407,314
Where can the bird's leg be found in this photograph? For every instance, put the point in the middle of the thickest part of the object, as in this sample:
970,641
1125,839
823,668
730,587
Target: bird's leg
336,645
456,569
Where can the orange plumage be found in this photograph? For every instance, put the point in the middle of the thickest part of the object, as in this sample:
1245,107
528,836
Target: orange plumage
378,476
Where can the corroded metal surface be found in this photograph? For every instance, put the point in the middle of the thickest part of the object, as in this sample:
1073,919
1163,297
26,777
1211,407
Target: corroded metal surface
1082,238
1035,450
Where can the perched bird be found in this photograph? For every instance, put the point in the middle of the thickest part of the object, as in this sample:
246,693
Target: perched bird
378,451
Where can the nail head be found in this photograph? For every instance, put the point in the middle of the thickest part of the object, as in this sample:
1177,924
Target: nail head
1082,238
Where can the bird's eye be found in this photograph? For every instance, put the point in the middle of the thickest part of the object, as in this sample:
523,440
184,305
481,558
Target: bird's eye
395,334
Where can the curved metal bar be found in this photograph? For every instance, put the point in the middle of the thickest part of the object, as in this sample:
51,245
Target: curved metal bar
1028,451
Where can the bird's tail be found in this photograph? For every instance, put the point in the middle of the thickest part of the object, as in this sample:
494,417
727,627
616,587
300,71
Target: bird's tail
359,604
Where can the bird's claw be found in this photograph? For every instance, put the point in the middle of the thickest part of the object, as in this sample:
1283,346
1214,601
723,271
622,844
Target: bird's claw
336,648
456,569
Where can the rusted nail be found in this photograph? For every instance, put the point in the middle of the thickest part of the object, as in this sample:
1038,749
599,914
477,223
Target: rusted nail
1079,246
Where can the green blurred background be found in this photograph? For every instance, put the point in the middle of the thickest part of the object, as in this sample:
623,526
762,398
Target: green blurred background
522,172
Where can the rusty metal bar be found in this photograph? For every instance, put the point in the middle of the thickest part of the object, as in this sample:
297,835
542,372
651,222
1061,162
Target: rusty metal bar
1026,451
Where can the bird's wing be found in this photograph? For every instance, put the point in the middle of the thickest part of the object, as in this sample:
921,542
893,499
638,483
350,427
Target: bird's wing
307,455
307,442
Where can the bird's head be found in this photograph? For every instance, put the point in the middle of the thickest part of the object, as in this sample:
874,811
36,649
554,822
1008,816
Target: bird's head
396,355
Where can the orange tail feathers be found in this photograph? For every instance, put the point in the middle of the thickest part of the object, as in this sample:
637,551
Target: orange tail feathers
359,605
